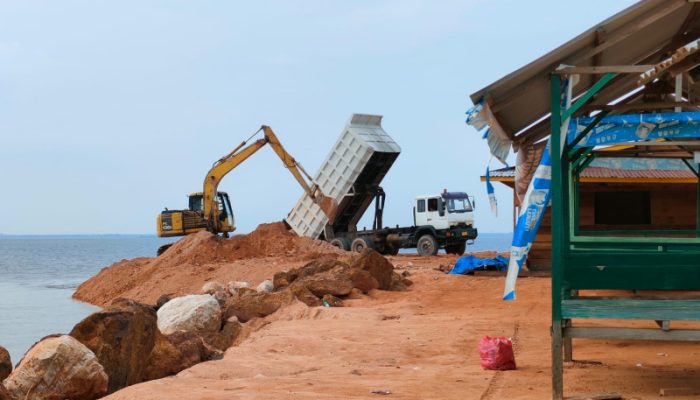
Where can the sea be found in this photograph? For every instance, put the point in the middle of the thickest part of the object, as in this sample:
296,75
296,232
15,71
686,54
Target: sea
40,273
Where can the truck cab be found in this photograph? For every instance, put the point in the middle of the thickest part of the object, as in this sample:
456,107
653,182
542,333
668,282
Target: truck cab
445,210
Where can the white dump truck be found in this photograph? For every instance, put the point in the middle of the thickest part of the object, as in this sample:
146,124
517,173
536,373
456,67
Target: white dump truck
351,175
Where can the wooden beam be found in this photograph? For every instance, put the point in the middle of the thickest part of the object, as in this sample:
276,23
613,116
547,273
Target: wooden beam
604,69
680,335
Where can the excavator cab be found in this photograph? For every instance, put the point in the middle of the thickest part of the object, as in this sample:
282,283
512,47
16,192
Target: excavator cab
225,213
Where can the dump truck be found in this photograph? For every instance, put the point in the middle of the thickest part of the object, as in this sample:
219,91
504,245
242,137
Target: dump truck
351,176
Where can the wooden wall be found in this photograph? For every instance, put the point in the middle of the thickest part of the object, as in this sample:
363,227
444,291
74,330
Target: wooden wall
673,206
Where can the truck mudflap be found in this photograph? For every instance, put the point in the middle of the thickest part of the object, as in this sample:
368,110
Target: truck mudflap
459,234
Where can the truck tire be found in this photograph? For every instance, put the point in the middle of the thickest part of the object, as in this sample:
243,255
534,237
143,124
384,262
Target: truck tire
341,243
427,245
360,244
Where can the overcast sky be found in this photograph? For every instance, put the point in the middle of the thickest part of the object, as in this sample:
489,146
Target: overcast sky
110,111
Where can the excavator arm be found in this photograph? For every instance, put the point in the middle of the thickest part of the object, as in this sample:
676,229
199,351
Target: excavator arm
241,153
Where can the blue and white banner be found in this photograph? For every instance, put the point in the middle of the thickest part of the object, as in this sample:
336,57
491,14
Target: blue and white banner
534,204
616,129
533,208
491,193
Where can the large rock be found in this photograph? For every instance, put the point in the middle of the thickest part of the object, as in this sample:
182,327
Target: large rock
224,339
194,313
255,305
121,336
378,266
58,368
174,353
335,281
5,363
4,394
285,278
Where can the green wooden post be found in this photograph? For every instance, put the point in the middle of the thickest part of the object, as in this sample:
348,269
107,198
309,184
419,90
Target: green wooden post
557,240
697,203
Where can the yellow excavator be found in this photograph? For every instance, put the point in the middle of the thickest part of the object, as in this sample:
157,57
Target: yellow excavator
211,210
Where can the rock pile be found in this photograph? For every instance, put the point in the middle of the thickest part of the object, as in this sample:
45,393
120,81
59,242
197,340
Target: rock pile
129,342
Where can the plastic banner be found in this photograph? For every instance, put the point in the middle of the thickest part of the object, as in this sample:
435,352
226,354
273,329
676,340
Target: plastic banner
491,193
615,129
534,206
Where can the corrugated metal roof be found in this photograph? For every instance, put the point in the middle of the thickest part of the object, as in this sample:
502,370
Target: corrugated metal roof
602,174
644,33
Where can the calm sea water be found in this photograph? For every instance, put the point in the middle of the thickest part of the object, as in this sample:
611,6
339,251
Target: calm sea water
40,273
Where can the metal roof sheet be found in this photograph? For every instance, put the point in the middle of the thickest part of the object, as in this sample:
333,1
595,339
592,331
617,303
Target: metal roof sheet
644,33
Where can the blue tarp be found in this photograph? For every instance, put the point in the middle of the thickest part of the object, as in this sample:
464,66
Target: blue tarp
466,264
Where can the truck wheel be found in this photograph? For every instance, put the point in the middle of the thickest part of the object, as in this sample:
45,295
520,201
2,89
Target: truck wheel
341,243
427,245
459,248
360,244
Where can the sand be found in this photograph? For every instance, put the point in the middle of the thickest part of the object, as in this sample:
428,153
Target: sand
202,257
417,344
422,344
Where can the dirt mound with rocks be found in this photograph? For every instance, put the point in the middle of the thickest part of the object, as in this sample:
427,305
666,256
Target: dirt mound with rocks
202,257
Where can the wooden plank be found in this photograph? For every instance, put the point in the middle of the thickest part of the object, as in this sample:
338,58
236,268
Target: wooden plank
604,69
630,308
674,335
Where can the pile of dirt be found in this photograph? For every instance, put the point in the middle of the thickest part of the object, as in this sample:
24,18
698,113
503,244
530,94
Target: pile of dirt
203,257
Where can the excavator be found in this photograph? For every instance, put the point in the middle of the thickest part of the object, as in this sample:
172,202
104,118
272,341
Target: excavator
211,210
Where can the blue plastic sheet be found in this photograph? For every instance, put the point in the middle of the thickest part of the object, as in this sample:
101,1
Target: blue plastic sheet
466,264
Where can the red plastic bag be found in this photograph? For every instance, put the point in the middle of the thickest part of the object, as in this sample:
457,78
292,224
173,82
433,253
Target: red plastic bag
496,353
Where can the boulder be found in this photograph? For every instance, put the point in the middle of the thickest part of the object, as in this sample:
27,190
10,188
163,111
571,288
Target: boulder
265,286
363,280
193,313
58,368
378,266
176,352
256,305
121,336
301,293
336,281
217,290
284,278
4,394
233,286
224,339
5,363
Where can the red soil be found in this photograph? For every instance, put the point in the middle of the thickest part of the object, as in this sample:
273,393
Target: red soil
200,258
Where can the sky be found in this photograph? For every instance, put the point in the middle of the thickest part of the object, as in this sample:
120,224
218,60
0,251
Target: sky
111,111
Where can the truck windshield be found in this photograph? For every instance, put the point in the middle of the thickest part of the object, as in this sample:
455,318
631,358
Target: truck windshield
458,205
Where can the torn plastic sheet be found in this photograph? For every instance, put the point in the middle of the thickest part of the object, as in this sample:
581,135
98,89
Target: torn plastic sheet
481,117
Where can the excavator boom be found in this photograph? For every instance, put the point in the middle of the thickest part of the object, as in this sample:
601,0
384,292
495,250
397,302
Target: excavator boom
241,153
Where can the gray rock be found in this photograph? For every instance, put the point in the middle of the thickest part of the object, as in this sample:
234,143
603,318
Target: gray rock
194,313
